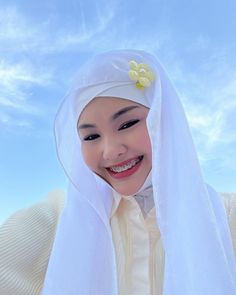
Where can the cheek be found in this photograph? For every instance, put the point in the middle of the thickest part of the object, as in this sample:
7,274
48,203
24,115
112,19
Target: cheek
145,138
141,139
89,156
147,144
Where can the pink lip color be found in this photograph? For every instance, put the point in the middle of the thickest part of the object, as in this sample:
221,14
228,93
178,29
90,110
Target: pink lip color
126,173
124,162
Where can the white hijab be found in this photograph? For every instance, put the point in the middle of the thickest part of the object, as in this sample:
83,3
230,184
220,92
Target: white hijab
199,258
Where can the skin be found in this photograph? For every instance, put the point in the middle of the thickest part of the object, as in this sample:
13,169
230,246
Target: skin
112,138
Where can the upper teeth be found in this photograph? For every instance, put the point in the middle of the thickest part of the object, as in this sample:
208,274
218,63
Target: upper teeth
125,167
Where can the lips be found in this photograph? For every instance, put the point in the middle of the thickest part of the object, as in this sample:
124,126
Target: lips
125,168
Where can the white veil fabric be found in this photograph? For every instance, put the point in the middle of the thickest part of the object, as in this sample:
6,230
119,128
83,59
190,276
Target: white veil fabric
199,257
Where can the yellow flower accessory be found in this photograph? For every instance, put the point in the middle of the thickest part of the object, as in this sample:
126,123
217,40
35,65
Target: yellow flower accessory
141,74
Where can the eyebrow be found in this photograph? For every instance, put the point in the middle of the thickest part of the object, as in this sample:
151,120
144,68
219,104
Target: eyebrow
113,117
122,111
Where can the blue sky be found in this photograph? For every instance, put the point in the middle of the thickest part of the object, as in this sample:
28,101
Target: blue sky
42,44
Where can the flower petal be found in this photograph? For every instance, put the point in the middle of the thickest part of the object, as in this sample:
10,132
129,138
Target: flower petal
141,74
133,75
143,66
144,82
133,65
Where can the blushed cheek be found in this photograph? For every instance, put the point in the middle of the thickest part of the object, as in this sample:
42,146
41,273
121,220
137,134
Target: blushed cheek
145,142
90,158
144,139
148,144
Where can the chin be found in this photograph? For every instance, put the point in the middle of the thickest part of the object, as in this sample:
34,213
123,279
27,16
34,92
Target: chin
124,187
126,191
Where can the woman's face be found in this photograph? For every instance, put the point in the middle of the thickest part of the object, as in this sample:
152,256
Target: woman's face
115,142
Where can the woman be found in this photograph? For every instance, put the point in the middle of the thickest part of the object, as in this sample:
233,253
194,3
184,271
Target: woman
139,218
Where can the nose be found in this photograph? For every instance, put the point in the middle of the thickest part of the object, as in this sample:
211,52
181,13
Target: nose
113,150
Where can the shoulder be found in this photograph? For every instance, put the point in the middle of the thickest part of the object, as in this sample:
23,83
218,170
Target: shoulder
229,200
39,217
26,240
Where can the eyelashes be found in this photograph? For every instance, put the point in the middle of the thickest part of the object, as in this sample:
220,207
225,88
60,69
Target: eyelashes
91,137
128,124
124,126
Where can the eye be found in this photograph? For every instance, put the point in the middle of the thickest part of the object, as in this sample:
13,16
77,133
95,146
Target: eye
128,124
91,137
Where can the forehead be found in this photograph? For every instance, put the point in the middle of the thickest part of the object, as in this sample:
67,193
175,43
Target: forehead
106,105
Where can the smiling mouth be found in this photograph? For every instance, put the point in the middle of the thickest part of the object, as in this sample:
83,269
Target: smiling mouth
127,166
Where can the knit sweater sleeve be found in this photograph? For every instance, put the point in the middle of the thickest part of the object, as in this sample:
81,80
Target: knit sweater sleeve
26,240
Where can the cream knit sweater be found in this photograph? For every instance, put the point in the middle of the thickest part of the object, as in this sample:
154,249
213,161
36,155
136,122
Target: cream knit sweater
26,240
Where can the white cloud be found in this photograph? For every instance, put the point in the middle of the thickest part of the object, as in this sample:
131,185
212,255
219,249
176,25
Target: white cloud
90,26
22,72
18,34
16,81
101,29
210,122
7,120
215,85
208,94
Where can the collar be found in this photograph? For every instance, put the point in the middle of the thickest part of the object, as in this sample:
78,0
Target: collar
144,197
